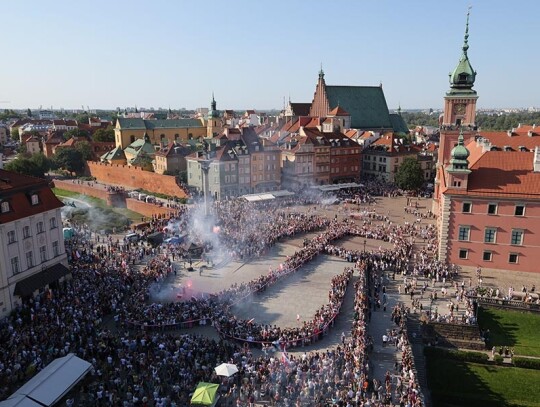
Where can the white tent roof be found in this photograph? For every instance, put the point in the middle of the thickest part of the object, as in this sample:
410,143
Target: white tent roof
52,383
258,197
19,400
281,193
336,187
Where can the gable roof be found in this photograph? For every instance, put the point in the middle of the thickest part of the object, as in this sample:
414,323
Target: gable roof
115,154
366,105
16,188
141,124
338,111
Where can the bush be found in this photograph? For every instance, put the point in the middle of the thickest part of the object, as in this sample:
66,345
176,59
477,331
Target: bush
498,359
475,357
526,363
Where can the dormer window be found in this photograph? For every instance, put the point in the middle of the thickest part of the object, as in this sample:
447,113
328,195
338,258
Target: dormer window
4,206
34,198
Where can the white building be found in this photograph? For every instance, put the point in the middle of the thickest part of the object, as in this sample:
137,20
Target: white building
32,252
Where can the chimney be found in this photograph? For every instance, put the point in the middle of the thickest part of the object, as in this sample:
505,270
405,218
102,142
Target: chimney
536,161
530,133
519,125
509,132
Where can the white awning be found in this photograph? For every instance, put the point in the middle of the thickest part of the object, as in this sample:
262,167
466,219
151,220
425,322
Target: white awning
51,384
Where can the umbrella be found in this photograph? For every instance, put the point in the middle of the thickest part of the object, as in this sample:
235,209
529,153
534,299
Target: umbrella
205,394
226,369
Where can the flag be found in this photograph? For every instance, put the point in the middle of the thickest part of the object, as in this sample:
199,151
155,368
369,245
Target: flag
297,317
251,321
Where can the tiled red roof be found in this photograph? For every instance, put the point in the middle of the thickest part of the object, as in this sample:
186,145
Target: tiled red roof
504,173
519,138
338,111
16,189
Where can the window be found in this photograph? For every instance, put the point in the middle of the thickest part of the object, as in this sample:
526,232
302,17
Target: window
55,248
513,258
34,198
29,259
5,206
492,209
490,235
517,237
464,233
52,221
39,227
26,232
487,256
43,253
466,207
15,265
463,253
519,210
11,237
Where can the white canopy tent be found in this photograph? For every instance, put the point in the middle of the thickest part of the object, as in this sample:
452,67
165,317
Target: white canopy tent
51,384
267,196
336,187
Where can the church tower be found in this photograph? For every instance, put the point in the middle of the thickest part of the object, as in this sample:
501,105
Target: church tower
459,103
213,126
320,106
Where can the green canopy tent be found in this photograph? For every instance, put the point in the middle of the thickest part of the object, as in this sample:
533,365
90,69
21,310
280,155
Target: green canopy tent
205,394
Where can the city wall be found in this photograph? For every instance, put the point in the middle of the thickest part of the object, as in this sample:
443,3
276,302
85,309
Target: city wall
135,177
147,209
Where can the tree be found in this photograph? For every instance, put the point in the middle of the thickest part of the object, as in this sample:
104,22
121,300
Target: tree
75,133
85,149
29,112
105,135
15,134
409,175
69,159
36,166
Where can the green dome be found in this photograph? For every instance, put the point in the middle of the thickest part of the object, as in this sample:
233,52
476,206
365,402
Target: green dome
459,152
459,155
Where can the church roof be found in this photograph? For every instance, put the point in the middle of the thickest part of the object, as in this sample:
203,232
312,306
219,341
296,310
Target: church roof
366,105
398,123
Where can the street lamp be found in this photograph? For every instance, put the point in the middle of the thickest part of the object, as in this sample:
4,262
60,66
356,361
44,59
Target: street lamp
365,241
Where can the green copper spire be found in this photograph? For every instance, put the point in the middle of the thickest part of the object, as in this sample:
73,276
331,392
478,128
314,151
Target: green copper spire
213,111
463,76
459,155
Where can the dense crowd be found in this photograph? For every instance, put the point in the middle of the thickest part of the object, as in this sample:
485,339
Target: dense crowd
142,367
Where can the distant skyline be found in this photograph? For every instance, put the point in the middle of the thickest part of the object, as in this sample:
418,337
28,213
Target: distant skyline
256,54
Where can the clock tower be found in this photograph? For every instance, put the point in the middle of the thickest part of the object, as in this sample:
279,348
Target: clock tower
459,103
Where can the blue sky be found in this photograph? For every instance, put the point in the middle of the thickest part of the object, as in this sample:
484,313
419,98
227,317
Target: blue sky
252,54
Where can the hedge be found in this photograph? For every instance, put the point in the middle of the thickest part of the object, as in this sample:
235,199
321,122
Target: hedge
475,357
498,359
526,363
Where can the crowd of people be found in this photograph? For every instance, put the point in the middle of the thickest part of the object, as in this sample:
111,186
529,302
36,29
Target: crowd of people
137,367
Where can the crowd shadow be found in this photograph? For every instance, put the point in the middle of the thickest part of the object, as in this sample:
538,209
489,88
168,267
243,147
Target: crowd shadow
500,334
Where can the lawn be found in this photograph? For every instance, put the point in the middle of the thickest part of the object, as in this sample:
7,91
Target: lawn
455,383
515,329
99,203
